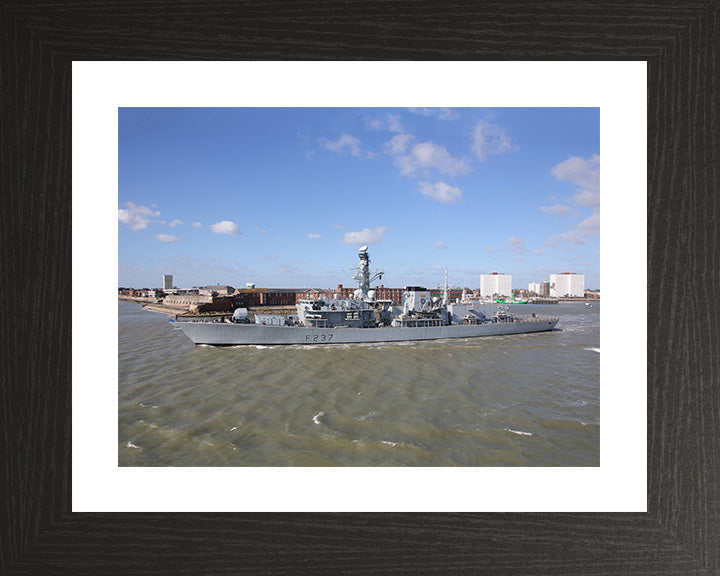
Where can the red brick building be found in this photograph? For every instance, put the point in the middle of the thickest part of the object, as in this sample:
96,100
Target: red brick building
248,297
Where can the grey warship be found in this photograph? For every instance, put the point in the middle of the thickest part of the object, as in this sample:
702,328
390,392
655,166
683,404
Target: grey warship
363,319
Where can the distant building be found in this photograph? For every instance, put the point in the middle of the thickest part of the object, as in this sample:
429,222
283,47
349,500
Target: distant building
592,294
248,297
454,294
495,284
187,299
218,304
539,288
167,282
278,296
393,295
567,284
219,290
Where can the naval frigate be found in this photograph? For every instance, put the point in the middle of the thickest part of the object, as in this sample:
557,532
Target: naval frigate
363,318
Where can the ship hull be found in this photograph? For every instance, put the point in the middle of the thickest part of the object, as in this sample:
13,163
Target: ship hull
227,334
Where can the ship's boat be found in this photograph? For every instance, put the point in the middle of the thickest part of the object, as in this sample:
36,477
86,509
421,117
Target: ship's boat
362,318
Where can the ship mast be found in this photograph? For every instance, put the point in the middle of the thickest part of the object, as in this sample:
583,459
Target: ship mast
363,274
445,292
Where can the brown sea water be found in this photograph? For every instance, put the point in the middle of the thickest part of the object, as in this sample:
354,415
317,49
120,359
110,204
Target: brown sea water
519,400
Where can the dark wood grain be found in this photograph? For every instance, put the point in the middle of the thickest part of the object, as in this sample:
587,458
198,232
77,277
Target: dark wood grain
680,534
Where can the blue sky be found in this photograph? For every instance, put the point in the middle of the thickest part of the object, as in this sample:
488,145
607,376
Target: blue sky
284,197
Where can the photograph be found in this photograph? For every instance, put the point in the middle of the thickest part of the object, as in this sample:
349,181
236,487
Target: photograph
370,287
236,169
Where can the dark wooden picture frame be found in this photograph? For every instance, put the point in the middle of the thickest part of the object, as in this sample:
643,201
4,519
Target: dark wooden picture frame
680,533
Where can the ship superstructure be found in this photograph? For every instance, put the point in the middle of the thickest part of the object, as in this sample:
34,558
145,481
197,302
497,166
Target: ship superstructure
362,318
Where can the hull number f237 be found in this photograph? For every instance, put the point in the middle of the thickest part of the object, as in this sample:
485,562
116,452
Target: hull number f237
318,337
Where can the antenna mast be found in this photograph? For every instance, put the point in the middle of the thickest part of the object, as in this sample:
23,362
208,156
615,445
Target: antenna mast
363,274
445,292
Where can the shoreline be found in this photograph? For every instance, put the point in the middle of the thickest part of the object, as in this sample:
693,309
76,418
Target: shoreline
153,305
156,306
169,310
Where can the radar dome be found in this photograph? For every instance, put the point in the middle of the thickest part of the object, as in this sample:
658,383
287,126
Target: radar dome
363,248
371,294
240,315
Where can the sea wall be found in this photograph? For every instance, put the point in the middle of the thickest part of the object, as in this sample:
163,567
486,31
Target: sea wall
138,299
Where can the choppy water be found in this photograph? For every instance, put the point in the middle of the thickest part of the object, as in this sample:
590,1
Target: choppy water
519,400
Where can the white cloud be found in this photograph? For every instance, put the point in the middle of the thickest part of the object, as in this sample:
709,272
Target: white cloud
583,173
560,210
225,227
373,123
197,225
365,236
314,236
571,237
588,228
337,226
167,238
427,155
441,192
440,245
490,139
441,113
343,143
517,245
136,217
175,222
591,225
394,124
398,144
